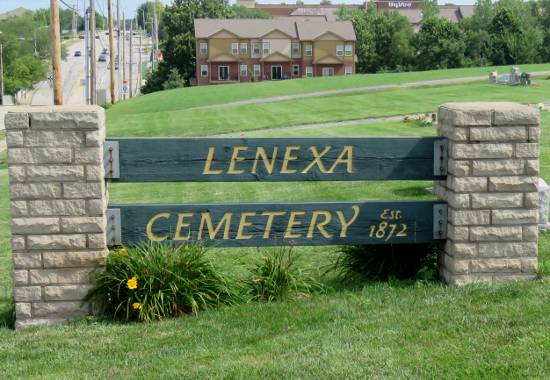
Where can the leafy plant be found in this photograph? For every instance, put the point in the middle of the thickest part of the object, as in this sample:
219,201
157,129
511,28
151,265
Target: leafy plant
275,277
387,262
154,281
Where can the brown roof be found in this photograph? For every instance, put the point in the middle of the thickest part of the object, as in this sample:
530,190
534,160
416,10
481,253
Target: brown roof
256,28
467,10
451,14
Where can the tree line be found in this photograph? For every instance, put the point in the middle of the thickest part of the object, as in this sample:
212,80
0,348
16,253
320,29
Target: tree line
501,33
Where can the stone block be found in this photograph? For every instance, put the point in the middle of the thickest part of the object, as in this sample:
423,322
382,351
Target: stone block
65,309
454,133
482,150
530,233
461,249
95,173
464,114
75,259
88,156
456,266
493,233
14,139
458,167
35,190
60,276
467,184
529,265
55,173
40,156
17,174
60,241
94,138
66,120
18,243
27,260
19,208
22,310
516,114
497,200
35,225
60,139
534,134
495,265
457,200
27,293
508,184
30,322
527,150
83,190
469,217
57,207
97,241
16,120
498,134
514,217
96,207
20,277
508,249
83,224
532,167
457,233
497,167
66,292
531,200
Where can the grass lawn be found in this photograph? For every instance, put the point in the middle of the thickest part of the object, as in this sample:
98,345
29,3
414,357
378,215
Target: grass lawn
355,330
203,122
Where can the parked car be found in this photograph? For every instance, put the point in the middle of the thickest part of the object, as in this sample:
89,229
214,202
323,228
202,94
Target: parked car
102,58
78,53
105,51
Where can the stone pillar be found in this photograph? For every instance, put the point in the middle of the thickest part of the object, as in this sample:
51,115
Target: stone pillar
58,202
491,190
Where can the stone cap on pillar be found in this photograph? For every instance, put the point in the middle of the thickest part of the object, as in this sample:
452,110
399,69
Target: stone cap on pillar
488,114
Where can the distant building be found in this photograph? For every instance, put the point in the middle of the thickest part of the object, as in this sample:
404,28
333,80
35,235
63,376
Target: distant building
14,13
412,10
244,50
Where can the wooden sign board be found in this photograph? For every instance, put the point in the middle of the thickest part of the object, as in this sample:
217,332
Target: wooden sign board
275,224
274,159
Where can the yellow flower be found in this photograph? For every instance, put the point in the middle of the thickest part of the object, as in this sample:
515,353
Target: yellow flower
122,252
136,306
132,283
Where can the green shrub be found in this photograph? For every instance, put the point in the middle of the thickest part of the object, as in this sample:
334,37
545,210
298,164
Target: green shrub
155,281
388,262
275,277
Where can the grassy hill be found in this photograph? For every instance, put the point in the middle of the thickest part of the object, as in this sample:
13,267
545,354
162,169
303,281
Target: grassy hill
356,330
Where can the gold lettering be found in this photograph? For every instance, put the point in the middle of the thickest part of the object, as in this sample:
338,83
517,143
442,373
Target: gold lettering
293,223
242,224
317,159
345,224
347,151
150,234
319,225
235,158
212,232
181,224
260,153
289,157
270,216
208,164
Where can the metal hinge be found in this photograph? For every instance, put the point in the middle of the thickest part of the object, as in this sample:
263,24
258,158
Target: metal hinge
114,231
440,221
111,162
440,157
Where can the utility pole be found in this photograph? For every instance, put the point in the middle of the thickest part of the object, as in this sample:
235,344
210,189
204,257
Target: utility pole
111,52
2,73
56,53
139,66
93,95
118,46
131,59
87,53
124,82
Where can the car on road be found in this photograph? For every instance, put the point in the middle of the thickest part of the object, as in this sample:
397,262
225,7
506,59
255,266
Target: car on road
105,51
78,53
102,58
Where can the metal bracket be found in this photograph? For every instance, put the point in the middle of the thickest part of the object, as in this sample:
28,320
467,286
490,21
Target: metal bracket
440,221
440,157
111,162
114,231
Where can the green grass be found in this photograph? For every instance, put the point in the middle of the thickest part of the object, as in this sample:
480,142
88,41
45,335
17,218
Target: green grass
203,122
180,99
356,330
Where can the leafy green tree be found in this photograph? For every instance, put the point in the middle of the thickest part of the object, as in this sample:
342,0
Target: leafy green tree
429,9
439,45
243,12
145,15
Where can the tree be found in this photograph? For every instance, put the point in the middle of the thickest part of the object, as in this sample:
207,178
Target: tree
243,12
429,9
439,45
145,14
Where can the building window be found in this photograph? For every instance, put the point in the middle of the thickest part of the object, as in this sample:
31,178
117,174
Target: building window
339,50
243,48
204,48
328,71
257,71
296,70
296,49
235,48
256,48
244,70
309,49
349,70
266,47
204,70
349,50
309,71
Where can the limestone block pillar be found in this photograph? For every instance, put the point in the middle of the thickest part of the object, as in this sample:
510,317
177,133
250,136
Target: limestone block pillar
58,202
491,190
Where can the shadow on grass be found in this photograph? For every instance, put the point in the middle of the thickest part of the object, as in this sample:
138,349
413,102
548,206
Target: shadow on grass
7,314
412,191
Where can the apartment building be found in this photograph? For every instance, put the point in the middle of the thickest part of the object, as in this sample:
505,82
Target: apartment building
245,50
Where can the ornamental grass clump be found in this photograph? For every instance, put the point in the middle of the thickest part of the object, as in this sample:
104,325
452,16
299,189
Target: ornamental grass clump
275,277
155,281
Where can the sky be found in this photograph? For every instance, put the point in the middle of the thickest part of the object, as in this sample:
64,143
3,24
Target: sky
131,5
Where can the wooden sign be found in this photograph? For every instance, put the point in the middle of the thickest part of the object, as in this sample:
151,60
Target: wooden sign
273,224
274,159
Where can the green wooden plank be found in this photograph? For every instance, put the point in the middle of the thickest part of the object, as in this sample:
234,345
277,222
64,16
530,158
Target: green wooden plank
276,159
273,224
